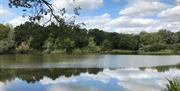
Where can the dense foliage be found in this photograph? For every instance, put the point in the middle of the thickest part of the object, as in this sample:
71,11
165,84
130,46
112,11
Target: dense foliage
32,37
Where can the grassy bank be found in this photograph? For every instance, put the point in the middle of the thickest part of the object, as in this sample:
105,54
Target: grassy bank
138,52
118,51
114,51
162,52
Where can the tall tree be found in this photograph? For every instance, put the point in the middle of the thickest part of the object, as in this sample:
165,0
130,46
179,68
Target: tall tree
99,35
39,9
168,36
178,34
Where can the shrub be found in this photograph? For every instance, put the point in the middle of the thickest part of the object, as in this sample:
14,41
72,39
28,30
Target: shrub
68,44
6,46
77,51
106,45
118,51
176,47
59,51
23,48
153,47
92,46
49,45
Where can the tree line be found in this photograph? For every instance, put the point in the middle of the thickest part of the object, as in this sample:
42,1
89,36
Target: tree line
31,37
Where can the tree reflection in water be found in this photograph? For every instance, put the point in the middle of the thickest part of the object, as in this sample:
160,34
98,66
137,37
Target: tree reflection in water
36,74
162,68
32,75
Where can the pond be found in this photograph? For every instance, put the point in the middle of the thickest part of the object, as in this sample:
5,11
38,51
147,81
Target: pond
54,72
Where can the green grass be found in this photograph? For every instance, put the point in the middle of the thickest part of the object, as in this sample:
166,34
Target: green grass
173,84
114,51
162,52
118,51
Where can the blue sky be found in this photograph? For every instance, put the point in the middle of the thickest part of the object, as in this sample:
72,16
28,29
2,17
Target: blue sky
127,16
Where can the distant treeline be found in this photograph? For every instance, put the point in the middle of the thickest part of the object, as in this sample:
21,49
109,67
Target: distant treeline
64,38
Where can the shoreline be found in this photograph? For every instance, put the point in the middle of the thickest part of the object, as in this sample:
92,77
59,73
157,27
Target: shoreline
124,52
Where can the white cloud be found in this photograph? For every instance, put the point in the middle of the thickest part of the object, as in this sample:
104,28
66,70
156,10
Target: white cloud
131,79
131,19
123,24
73,87
171,14
18,20
143,8
21,20
178,2
134,79
71,4
125,21
97,21
173,26
136,30
2,86
126,24
136,25
59,4
149,76
62,79
4,12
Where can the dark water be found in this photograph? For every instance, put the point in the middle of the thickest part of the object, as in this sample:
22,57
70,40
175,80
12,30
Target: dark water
86,72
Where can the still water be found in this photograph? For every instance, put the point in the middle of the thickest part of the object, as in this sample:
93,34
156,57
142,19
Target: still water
86,72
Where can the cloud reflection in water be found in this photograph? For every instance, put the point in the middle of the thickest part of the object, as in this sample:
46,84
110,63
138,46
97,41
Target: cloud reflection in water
127,79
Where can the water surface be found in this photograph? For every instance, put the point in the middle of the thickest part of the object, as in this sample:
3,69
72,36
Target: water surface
84,61
86,72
